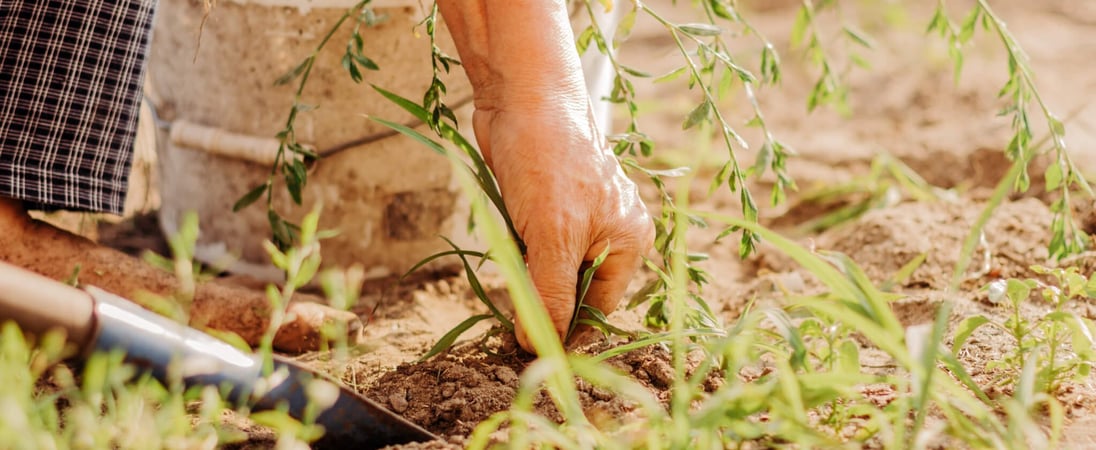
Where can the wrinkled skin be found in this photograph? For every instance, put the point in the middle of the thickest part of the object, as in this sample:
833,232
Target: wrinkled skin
561,184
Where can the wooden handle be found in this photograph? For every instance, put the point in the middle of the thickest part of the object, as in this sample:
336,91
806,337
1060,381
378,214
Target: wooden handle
39,304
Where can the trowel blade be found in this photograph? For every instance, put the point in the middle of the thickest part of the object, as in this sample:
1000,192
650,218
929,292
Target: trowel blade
353,421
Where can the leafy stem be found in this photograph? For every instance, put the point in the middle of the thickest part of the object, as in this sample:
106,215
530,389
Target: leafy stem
1062,175
623,89
707,108
292,157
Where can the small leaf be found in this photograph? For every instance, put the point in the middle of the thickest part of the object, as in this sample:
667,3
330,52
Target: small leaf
283,237
352,68
294,189
412,133
624,28
965,329
969,25
1056,126
1017,291
698,115
600,322
583,40
799,28
671,76
365,61
700,29
905,272
249,198
584,287
857,37
635,72
418,111
293,74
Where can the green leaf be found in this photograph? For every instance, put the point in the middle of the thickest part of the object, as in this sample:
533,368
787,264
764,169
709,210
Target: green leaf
365,61
447,340
294,73
849,357
965,329
966,31
634,71
352,68
584,287
583,40
412,133
598,321
624,28
437,255
1017,291
477,288
697,115
672,75
857,37
414,108
249,198
799,28
700,29
1053,176
1056,125
939,22
283,237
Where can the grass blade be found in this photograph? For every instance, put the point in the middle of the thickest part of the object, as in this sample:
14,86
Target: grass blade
447,340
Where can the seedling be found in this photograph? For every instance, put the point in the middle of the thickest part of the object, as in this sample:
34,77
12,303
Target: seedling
1059,344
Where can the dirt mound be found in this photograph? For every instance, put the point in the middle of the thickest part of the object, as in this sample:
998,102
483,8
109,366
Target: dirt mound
884,240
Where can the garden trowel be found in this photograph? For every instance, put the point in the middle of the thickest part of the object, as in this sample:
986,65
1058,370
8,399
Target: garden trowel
96,320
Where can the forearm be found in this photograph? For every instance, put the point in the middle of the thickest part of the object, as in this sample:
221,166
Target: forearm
517,53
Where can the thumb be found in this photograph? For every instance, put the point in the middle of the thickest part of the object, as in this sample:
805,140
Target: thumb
554,271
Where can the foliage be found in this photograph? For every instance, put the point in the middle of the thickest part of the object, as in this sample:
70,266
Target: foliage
1059,343
788,375
293,157
1062,176
103,402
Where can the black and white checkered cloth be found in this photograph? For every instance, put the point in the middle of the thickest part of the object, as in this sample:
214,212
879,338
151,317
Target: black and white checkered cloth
70,83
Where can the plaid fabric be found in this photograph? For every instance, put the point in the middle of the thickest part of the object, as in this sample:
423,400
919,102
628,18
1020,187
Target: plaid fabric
70,83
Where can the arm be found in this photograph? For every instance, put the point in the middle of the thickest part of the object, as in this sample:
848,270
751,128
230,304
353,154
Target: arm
562,185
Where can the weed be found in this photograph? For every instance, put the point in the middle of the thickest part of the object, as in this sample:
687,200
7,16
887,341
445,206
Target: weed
1058,344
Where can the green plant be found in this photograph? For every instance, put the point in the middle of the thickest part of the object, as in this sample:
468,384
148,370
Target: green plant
293,157
1062,176
1058,344
46,405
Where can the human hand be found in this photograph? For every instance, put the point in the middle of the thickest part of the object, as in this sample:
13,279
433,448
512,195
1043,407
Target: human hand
562,186
569,200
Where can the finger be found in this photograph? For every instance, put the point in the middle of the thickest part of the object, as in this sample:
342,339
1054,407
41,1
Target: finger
553,267
611,279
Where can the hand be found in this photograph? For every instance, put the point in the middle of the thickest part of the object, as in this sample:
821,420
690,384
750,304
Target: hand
568,199
563,187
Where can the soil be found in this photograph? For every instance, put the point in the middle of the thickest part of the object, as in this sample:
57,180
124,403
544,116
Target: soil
907,104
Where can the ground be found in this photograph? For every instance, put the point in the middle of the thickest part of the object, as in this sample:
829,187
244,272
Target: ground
906,105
